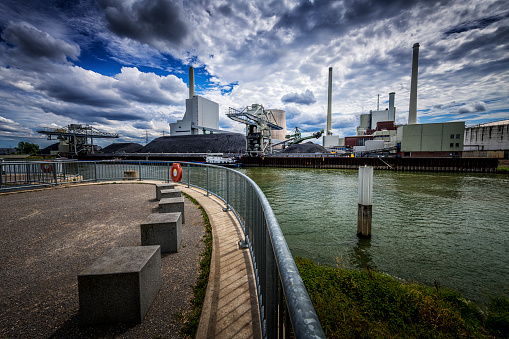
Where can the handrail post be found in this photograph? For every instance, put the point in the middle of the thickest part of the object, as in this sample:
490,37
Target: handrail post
55,173
227,207
271,291
95,170
188,175
244,243
139,170
1,172
208,181
27,170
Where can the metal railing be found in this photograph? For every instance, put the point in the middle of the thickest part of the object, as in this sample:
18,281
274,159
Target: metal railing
285,306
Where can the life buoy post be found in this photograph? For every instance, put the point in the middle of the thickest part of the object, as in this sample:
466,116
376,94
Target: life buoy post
176,172
47,168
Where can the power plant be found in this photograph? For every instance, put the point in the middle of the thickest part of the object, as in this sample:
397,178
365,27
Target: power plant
377,134
201,116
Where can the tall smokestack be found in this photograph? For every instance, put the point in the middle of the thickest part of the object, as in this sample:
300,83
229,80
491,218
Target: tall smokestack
328,131
391,106
412,110
191,82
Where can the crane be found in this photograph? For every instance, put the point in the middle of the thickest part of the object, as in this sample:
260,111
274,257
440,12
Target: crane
74,138
295,137
259,124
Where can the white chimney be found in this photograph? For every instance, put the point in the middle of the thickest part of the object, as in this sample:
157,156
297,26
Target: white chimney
191,82
391,106
328,131
412,109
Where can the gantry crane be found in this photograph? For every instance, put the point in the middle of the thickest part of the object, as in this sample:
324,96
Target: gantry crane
259,123
74,139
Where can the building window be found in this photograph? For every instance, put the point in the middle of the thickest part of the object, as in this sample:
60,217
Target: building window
451,144
457,144
452,136
457,136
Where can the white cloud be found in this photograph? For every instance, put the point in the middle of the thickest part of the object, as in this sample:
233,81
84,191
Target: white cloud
150,88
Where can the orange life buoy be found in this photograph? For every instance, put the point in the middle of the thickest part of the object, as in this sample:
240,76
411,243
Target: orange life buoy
176,172
46,168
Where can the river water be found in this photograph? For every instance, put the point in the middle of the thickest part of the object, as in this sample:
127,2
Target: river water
444,227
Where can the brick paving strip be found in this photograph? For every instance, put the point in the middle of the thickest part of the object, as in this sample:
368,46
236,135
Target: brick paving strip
49,236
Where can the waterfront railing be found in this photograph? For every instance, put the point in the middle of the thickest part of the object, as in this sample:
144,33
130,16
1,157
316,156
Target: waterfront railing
285,306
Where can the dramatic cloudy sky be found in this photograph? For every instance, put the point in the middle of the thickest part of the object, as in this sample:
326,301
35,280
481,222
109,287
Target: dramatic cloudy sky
121,65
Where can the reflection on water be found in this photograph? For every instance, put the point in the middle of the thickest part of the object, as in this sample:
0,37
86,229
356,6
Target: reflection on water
453,228
362,257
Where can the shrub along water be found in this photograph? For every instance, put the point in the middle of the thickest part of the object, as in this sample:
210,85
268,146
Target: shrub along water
369,304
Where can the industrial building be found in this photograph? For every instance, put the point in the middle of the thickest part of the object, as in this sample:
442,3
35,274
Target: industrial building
202,115
431,140
377,133
490,140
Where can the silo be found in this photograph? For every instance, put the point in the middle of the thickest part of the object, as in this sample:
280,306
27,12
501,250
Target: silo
365,121
280,117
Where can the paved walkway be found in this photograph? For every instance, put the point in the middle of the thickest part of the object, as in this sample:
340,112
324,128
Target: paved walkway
231,306
51,239
49,236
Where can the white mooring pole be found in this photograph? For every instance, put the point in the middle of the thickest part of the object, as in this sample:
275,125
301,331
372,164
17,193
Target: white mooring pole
365,201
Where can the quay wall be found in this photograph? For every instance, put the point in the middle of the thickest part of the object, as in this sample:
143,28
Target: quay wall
488,165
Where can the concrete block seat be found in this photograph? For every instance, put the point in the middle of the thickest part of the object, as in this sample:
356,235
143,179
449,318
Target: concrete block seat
170,193
164,229
171,205
120,286
160,187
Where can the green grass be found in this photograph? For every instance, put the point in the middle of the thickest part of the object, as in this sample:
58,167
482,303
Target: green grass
502,169
192,320
369,304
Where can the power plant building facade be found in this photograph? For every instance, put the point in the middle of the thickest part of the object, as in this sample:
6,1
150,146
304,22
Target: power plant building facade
488,140
438,140
202,115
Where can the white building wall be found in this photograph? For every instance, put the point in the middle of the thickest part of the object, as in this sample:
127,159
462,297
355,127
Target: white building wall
487,137
208,113
200,113
378,116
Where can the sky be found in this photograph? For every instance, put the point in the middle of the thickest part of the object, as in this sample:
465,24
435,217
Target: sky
121,66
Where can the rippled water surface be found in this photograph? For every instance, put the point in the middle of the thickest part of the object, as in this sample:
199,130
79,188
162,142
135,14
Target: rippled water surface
448,227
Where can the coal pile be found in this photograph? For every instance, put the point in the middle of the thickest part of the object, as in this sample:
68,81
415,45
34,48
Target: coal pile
200,143
52,147
308,147
121,147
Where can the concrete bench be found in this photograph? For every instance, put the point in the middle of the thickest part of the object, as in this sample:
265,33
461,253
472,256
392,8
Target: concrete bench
130,175
165,186
163,229
170,193
120,286
171,205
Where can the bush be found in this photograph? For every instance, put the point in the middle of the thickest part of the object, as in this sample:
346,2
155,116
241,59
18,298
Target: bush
498,316
369,304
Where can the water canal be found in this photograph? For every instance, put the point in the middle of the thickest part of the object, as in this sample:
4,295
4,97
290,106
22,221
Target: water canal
448,227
